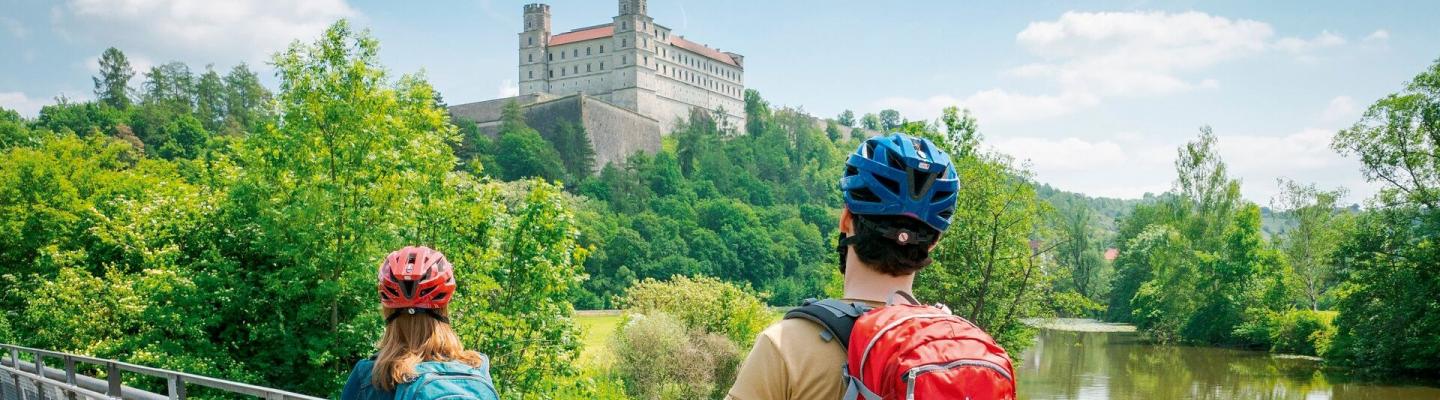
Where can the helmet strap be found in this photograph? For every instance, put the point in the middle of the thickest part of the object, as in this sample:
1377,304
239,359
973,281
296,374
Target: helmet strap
416,310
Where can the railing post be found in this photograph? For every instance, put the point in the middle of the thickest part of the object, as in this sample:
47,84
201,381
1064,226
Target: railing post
70,370
177,387
112,374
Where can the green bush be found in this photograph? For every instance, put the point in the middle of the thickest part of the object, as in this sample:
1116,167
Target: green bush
707,304
658,357
1302,332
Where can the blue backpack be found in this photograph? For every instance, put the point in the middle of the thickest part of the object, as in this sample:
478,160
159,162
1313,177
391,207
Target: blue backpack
448,380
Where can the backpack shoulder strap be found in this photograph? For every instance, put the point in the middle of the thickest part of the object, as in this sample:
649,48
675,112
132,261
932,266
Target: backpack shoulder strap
837,317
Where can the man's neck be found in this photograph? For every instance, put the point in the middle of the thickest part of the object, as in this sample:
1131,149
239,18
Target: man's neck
865,283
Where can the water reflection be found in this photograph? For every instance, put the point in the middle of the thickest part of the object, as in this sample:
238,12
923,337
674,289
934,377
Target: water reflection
1092,365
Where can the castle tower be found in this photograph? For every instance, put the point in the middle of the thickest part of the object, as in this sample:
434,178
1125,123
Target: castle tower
635,45
533,43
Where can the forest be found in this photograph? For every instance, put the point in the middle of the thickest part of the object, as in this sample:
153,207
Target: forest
209,224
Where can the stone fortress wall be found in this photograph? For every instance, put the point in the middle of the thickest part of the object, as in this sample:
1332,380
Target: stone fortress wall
615,133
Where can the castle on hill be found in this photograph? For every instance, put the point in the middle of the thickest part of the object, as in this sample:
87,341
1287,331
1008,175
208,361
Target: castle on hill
627,82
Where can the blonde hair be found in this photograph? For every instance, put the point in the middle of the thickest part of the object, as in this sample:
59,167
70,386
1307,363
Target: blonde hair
414,338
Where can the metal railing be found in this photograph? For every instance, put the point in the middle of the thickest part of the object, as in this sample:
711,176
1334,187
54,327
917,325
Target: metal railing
33,380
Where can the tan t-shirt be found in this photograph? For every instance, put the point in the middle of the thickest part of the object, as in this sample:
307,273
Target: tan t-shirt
791,362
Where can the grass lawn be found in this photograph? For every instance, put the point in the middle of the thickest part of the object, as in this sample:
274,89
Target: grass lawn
596,328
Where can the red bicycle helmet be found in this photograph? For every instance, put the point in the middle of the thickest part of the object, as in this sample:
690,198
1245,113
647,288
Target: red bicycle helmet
417,279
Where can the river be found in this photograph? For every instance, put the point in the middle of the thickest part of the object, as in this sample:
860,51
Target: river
1118,365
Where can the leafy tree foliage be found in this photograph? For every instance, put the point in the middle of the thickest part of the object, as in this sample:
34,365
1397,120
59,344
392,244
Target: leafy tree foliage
1389,263
871,121
889,120
112,87
257,265
846,119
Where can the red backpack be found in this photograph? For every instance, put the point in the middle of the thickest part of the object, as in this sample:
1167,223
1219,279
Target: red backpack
912,351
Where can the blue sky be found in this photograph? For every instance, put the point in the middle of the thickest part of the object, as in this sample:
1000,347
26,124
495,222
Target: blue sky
1093,96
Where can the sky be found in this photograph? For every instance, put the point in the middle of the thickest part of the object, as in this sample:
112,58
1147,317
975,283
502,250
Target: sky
1092,96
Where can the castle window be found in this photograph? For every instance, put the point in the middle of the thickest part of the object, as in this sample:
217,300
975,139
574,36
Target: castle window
550,56
587,50
562,54
552,73
575,53
530,57
587,67
577,68
562,71
624,25
532,40
647,60
622,42
602,49
532,74
602,65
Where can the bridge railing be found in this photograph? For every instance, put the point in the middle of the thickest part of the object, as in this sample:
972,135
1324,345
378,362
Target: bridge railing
34,379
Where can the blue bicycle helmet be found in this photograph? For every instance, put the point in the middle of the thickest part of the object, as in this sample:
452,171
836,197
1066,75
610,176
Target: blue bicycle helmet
899,174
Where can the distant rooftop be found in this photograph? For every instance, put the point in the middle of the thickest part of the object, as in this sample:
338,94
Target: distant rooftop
608,30
583,34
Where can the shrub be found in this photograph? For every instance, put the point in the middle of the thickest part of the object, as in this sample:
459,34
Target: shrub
658,357
1302,332
707,304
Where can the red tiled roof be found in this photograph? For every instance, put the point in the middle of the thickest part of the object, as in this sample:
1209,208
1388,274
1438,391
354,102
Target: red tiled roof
702,50
1111,254
582,35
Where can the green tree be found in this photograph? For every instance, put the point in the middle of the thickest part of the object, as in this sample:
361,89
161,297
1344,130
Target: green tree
247,103
112,87
846,118
757,112
1310,246
210,100
170,85
871,121
354,159
572,144
1388,262
889,120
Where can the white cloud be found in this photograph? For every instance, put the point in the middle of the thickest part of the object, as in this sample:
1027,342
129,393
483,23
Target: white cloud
1379,35
21,103
1063,154
1300,46
1304,156
1339,109
15,27
198,31
508,88
1136,53
1088,57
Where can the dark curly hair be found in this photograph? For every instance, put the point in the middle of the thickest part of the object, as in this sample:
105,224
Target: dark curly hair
874,246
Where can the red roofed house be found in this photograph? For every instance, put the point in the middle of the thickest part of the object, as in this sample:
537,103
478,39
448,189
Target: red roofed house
1111,254
616,79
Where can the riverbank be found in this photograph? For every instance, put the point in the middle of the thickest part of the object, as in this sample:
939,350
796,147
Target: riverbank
1078,325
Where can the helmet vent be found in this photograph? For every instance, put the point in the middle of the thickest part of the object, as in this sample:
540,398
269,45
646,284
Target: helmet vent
940,196
865,195
850,170
894,161
890,184
920,183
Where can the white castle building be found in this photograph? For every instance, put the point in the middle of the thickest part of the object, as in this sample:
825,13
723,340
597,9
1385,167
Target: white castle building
631,62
